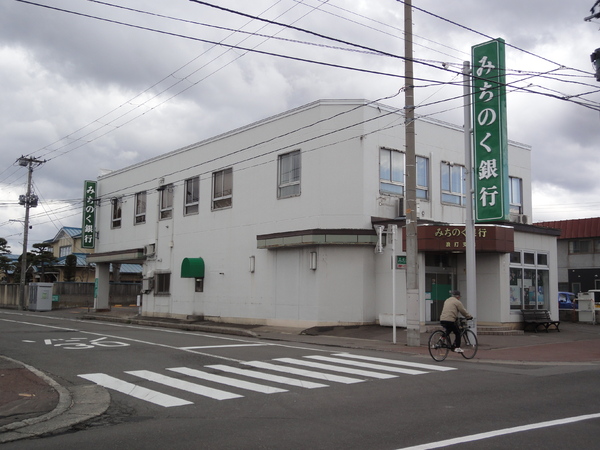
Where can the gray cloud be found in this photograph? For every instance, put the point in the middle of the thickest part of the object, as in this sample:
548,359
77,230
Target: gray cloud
123,95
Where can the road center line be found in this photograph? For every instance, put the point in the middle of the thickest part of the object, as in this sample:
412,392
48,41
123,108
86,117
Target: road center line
505,431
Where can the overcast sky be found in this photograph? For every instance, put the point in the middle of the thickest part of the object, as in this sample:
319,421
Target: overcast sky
87,95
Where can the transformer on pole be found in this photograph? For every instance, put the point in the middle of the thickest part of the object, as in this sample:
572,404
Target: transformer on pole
28,200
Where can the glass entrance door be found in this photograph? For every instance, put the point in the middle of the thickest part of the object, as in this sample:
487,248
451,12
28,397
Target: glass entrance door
437,289
440,280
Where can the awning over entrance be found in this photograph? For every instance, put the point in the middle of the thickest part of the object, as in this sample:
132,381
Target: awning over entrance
192,268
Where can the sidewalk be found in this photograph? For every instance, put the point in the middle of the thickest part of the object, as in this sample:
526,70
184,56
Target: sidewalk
32,404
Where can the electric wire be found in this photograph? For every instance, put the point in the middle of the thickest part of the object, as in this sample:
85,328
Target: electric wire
578,95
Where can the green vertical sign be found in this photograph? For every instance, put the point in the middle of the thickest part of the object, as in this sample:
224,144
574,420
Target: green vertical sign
489,132
88,227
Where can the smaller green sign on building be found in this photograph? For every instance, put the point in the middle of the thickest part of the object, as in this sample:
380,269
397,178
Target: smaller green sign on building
400,261
489,132
88,227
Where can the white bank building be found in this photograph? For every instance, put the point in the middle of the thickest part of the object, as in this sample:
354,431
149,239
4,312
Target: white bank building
274,223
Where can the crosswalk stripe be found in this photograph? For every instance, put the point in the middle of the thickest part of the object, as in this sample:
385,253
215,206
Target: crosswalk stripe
268,377
228,381
205,391
303,372
399,363
365,373
139,392
367,365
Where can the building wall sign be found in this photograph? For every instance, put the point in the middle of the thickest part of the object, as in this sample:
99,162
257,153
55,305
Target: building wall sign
451,238
489,132
88,227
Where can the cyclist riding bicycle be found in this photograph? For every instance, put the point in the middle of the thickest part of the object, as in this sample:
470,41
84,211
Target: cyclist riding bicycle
452,307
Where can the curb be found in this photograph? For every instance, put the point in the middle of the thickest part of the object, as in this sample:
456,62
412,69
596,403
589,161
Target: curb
75,405
180,326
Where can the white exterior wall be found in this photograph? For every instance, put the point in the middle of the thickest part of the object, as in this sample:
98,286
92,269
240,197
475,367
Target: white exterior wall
339,189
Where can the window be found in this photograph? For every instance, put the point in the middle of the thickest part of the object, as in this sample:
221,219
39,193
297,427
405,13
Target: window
542,259
116,205
65,250
391,171
453,184
422,177
515,257
140,207
529,258
515,188
580,246
289,175
162,283
529,282
166,201
222,194
192,196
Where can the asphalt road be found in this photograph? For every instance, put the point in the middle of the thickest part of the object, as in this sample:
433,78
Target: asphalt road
177,390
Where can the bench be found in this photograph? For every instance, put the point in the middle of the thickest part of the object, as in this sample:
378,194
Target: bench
539,317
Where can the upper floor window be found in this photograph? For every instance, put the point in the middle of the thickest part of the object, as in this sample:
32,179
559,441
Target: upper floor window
422,177
515,188
391,171
116,206
140,207
453,183
192,195
580,246
65,250
289,174
222,194
166,201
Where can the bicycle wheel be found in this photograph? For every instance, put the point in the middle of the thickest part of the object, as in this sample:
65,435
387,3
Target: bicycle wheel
469,344
438,345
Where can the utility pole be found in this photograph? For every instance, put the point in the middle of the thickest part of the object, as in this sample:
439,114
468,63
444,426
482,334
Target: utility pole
413,304
471,268
29,201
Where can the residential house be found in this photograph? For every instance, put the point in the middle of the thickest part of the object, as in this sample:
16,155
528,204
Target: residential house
578,253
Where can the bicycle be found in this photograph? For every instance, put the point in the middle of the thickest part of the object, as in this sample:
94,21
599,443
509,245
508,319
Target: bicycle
440,342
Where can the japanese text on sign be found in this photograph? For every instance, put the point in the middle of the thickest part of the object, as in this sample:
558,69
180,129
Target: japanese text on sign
88,227
489,132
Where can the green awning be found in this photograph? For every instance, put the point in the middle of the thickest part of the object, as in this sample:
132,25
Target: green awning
192,268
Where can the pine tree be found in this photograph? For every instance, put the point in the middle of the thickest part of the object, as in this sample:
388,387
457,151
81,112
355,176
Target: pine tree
6,264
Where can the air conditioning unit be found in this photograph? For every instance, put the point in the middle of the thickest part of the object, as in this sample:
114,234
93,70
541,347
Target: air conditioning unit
519,218
149,249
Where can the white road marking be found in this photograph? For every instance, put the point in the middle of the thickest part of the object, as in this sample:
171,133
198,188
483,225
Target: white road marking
137,327
223,346
399,363
142,393
502,432
227,381
364,373
205,391
303,372
269,377
367,365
